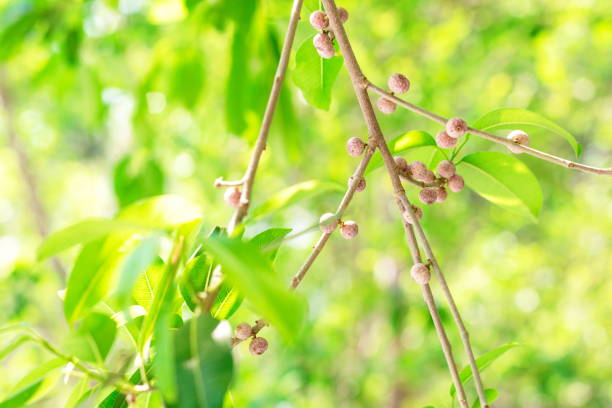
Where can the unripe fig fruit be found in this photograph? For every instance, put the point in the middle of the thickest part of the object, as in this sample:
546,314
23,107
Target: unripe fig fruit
398,84
401,164
518,137
349,229
441,194
232,196
386,106
328,223
456,127
355,146
456,183
446,169
429,177
444,141
361,185
420,273
243,331
428,195
324,45
318,20
343,14
258,346
418,170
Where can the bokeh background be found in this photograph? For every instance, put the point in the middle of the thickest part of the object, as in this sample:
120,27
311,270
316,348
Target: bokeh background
115,100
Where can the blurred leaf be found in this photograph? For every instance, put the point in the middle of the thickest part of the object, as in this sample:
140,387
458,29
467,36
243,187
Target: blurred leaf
483,362
13,345
227,302
187,80
195,278
490,394
252,274
165,346
412,139
269,241
137,176
136,264
146,285
163,212
82,232
514,118
294,194
33,385
504,180
314,75
78,392
204,367
93,338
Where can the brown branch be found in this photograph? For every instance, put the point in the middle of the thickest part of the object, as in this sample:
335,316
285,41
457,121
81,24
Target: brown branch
41,218
489,136
360,84
262,138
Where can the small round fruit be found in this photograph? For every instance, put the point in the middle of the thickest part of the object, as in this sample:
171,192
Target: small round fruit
446,169
420,273
401,164
232,196
441,194
349,229
428,195
355,146
386,106
444,141
429,177
324,45
418,170
518,137
398,84
243,331
456,127
258,346
328,223
343,14
318,20
456,183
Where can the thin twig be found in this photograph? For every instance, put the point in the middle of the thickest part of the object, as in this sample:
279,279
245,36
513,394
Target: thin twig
262,138
360,84
489,136
25,167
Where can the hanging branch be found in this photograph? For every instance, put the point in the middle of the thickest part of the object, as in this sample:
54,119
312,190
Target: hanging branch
41,218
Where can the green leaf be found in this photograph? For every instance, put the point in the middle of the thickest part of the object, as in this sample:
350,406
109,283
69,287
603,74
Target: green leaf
137,176
81,233
204,367
93,338
187,80
253,275
227,302
146,285
136,264
195,279
490,394
164,340
33,385
20,398
410,140
269,241
514,118
291,195
161,212
314,75
483,362
13,345
504,180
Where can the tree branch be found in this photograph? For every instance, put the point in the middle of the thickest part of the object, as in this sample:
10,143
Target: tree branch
489,136
262,138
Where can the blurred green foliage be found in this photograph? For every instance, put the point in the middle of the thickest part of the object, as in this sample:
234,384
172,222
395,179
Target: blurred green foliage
116,100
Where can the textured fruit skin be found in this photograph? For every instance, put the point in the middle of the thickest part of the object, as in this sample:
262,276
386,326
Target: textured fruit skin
429,177
446,169
441,194
518,137
401,164
328,223
232,196
398,84
324,45
349,229
318,20
243,331
361,185
456,183
444,141
456,127
343,14
386,106
258,346
428,195
355,146
420,273
418,170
